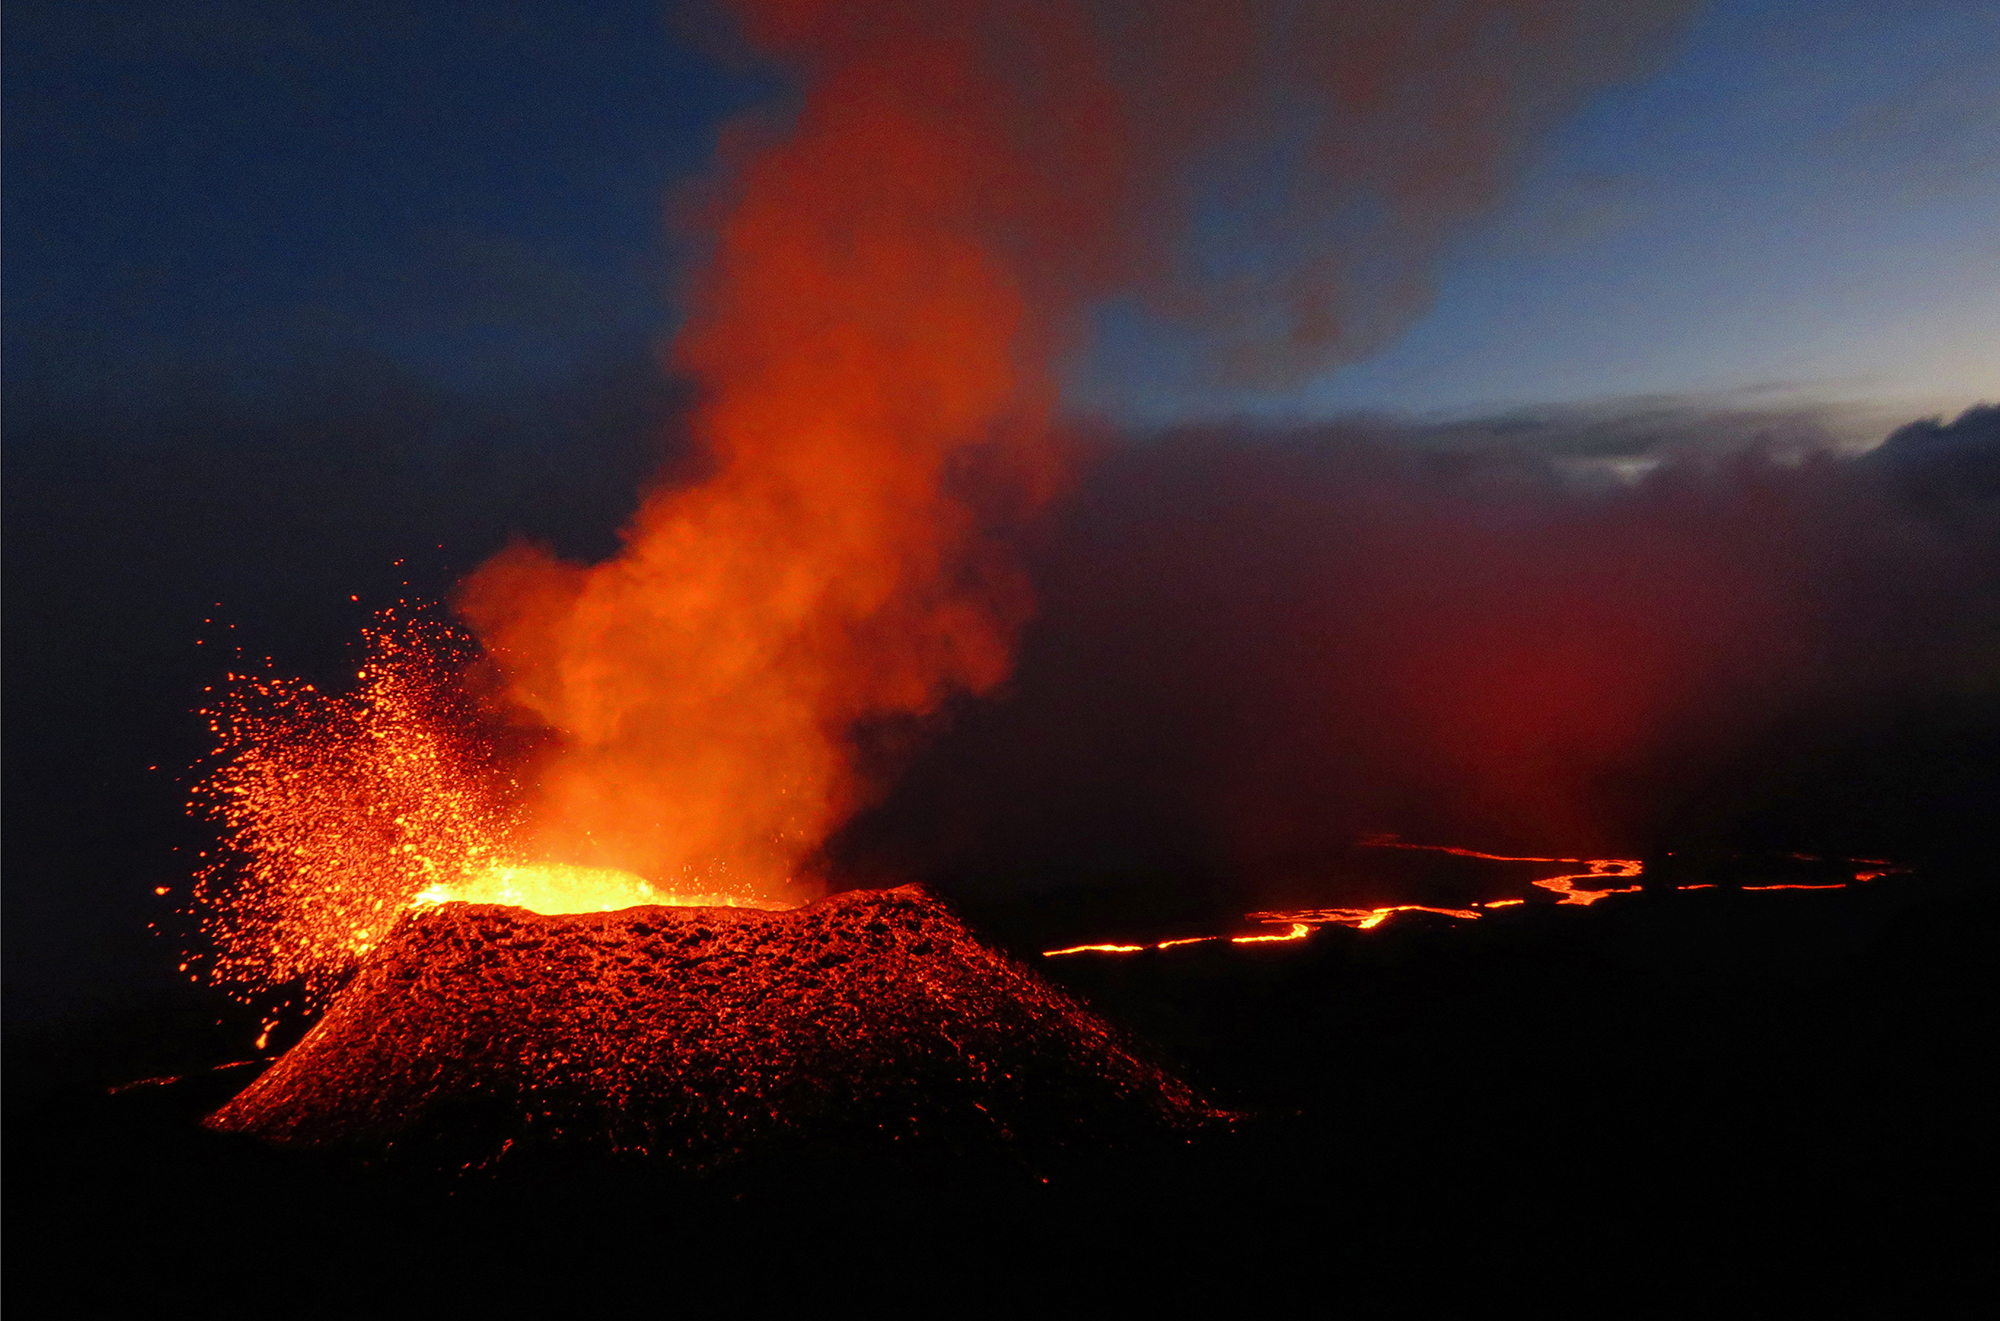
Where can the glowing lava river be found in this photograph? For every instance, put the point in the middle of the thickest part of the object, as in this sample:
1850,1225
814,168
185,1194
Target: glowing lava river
1575,888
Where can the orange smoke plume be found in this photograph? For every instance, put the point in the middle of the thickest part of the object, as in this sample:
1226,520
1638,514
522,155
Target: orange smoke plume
866,351
894,286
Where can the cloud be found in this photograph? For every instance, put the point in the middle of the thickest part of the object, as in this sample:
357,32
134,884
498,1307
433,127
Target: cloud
1256,645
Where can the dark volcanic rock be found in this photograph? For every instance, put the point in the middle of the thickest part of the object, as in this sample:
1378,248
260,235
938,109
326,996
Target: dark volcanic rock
695,1034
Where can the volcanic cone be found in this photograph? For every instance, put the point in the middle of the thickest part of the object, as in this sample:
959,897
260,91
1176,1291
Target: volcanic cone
697,1034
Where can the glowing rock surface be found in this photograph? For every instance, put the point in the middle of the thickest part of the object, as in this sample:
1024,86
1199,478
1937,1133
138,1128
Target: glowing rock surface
477,1031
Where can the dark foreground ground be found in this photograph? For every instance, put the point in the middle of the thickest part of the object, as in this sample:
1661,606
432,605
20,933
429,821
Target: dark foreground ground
1709,1103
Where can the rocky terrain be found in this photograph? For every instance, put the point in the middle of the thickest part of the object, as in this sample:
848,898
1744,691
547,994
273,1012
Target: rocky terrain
478,1033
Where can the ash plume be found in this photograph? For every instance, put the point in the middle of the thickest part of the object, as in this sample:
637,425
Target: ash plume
896,281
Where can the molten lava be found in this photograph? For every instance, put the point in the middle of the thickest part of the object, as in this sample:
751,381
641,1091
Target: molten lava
338,809
1302,922
341,811
1599,867
1299,931
554,888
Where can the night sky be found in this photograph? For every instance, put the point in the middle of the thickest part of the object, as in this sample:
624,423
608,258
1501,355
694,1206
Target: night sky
309,302
1791,198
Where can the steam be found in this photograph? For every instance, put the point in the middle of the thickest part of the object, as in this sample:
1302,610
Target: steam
895,287
1256,646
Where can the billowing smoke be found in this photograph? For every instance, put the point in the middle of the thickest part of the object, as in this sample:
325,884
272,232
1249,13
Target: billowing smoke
1255,647
898,279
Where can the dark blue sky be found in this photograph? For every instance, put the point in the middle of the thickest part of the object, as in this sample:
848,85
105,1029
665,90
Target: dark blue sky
475,190
1804,196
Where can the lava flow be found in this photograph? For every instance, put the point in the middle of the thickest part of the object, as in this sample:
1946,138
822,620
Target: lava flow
1615,868
1302,922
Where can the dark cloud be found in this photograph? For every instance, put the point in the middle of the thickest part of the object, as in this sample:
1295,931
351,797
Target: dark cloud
1622,438
1255,646
1946,465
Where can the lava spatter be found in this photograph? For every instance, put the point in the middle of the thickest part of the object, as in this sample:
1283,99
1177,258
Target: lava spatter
338,808
694,1035
340,811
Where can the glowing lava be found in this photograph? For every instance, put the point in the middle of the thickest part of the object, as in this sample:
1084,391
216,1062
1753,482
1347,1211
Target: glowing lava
341,811
1299,931
1615,868
555,887
1302,922
1601,867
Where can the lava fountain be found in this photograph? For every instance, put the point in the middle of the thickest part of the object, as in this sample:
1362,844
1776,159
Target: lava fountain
341,812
